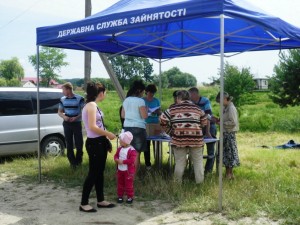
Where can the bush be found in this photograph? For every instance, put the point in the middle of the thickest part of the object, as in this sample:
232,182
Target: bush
14,83
3,82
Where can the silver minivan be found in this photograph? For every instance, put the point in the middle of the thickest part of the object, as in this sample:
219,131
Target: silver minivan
18,121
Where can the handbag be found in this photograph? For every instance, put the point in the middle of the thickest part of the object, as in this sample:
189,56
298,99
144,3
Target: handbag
108,145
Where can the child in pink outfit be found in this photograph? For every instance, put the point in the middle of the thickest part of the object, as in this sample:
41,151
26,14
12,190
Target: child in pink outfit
125,157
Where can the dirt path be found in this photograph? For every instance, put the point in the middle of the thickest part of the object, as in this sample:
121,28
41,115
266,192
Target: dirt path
47,204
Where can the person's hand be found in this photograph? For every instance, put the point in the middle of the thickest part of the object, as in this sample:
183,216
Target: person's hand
208,135
66,118
158,111
111,136
72,119
215,119
119,161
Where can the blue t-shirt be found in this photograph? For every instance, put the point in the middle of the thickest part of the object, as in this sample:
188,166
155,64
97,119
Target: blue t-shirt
133,117
153,117
204,104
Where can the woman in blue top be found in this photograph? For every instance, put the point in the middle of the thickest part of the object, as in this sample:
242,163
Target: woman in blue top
151,103
135,112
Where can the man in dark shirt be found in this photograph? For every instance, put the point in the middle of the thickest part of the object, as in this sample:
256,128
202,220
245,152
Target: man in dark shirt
69,109
210,131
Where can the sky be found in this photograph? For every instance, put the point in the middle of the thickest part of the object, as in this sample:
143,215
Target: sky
19,20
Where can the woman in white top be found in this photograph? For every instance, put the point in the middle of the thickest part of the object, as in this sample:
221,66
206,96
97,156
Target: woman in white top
135,112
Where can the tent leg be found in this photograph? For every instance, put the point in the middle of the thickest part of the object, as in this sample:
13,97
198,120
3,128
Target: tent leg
38,111
221,109
160,84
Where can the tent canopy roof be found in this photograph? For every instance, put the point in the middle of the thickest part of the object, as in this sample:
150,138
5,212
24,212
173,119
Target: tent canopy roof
163,29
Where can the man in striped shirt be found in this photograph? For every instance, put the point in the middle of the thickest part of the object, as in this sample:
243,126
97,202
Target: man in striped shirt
185,121
69,109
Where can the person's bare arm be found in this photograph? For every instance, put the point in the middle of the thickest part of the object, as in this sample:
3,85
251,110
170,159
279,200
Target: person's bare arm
123,113
144,112
61,113
208,134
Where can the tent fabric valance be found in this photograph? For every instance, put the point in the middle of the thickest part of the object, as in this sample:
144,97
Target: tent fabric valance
173,28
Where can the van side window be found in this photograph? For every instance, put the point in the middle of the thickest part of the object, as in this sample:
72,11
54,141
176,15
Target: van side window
48,102
15,104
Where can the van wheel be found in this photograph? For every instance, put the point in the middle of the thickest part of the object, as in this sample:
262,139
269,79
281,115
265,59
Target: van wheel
52,146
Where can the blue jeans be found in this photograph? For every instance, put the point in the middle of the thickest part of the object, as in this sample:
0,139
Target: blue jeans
72,132
139,141
210,151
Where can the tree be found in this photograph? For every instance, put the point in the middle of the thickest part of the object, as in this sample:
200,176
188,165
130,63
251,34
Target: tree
164,80
285,83
239,84
171,75
10,69
51,61
177,78
128,68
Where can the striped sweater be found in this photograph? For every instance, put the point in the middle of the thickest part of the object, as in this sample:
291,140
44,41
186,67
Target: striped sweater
184,122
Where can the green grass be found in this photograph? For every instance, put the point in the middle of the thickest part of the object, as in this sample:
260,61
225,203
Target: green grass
267,182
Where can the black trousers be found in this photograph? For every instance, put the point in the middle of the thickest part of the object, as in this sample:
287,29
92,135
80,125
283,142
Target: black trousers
96,149
147,154
72,132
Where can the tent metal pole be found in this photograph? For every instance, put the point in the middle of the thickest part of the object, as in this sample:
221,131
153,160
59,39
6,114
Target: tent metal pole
221,108
160,88
38,111
87,54
112,76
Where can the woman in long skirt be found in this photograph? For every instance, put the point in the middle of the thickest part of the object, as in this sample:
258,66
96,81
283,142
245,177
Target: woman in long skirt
230,126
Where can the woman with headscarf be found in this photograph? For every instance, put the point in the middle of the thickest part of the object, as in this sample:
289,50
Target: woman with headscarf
230,127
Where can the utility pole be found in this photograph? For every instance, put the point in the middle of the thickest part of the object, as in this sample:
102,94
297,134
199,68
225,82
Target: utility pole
87,54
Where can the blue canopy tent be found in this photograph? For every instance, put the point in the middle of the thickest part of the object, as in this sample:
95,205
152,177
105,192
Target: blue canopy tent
166,29
173,28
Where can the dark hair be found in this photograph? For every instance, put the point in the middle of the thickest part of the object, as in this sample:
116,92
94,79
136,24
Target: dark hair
175,94
194,90
151,88
92,91
136,88
183,95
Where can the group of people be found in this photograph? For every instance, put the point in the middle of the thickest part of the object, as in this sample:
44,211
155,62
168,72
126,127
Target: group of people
187,121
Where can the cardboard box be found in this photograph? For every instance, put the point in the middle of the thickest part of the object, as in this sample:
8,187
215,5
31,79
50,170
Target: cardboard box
153,129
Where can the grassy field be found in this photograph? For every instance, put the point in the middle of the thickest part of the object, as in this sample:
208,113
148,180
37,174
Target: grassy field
267,182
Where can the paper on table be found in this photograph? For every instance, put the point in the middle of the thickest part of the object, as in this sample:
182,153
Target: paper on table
151,110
